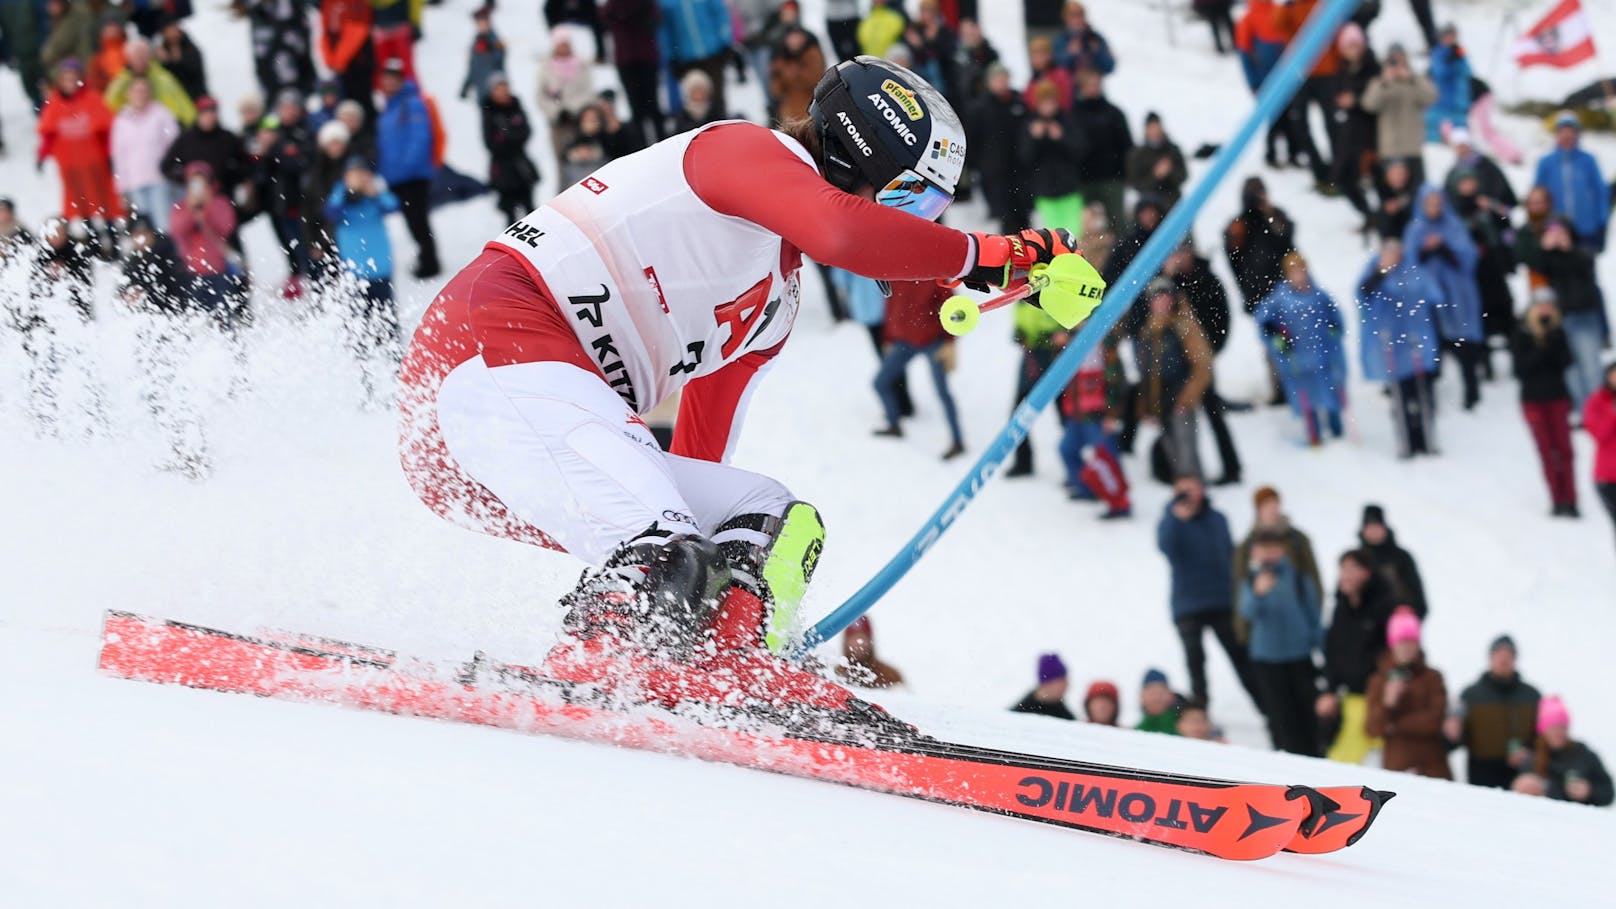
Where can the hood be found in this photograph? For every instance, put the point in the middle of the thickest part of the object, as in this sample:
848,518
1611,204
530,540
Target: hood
199,169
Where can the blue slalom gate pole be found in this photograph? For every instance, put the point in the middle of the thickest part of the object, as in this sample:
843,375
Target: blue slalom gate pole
1275,94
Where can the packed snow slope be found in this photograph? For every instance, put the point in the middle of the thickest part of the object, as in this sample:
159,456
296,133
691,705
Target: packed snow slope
115,793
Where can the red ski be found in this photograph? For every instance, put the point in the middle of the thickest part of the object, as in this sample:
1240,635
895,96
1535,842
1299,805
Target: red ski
839,739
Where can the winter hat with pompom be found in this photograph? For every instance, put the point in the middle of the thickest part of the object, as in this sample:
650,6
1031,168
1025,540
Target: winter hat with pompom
1551,711
1403,626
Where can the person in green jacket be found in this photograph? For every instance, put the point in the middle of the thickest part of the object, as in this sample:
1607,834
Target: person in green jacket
881,28
166,89
1035,332
1159,704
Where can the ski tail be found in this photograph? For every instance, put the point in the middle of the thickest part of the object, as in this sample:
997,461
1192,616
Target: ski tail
1241,821
1356,809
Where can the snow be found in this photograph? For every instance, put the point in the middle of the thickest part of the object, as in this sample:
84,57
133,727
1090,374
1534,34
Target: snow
134,794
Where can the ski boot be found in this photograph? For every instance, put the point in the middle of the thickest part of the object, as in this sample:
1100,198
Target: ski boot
655,594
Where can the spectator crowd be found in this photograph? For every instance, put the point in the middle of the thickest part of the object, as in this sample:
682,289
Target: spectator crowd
339,135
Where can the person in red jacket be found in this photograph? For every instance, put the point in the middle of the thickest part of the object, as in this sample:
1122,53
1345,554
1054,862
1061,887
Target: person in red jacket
675,270
75,128
1599,418
201,224
347,47
913,328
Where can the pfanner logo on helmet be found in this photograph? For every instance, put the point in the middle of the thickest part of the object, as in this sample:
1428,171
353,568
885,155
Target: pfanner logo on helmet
905,99
853,133
894,119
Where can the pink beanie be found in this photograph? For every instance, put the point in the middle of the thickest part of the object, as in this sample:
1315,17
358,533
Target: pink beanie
1551,711
1404,626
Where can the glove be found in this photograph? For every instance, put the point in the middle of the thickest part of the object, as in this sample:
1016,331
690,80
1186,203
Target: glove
1004,261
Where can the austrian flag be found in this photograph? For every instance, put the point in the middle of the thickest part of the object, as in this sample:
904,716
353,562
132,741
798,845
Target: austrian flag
1563,38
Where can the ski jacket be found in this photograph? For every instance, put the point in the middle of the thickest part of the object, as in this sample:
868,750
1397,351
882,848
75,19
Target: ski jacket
219,148
1396,330
1450,73
1452,265
184,61
912,313
693,30
166,90
563,91
1397,567
1570,272
404,137
1599,418
1141,170
1302,329
881,29
140,141
1208,300
1580,193
1412,726
1165,722
1557,768
1284,622
1175,366
1256,243
1084,49
1199,553
1054,75
73,36
506,131
1298,548
1400,105
675,273
75,129
1104,127
1541,359
1498,712
1031,704
345,27
358,225
792,79
993,127
203,235
1049,166
1288,20
1357,637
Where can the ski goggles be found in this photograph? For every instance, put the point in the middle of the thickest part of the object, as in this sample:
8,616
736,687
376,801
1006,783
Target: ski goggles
910,192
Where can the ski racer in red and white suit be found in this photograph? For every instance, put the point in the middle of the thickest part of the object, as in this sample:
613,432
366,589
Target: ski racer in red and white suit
673,269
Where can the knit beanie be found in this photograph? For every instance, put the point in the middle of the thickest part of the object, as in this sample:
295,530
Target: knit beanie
1404,626
1152,677
1551,711
1050,668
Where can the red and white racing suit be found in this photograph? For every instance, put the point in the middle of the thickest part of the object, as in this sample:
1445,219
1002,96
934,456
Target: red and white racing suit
673,268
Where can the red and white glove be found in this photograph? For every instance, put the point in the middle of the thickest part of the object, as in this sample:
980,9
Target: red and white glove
1003,261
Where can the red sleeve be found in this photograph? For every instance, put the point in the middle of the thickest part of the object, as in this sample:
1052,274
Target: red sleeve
745,171
713,406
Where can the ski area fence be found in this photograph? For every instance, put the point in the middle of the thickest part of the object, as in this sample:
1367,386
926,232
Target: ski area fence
1274,95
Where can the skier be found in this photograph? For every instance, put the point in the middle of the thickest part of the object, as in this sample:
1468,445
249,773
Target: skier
677,268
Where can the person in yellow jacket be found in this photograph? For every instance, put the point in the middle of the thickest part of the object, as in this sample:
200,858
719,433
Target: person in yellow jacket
881,28
166,89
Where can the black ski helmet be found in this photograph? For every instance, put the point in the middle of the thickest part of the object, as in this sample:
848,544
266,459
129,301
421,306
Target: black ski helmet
881,124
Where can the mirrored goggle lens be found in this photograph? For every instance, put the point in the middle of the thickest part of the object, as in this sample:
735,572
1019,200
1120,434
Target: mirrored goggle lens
914,194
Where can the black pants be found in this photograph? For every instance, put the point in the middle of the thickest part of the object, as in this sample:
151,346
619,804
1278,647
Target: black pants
844,37
1288,691
1607,494
1190,631
1314,91
1033,364
1494,773
1414,416
358,81
1215,409
415,197
1422,13
1469,355
640,85
1222,29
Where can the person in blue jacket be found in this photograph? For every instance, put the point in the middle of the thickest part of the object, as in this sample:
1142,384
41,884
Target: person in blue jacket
1282,607
1450,73
1398,338
697,34
1301,327
1440,244
1195,538
1571,175
404,150
357,211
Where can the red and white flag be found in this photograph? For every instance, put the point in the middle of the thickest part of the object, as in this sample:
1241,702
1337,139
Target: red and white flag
1563,38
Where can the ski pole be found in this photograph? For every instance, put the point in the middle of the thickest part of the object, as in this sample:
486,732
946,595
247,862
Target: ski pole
961,314
1069,286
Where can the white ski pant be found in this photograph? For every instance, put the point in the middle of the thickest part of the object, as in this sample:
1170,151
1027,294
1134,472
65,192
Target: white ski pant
557,446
